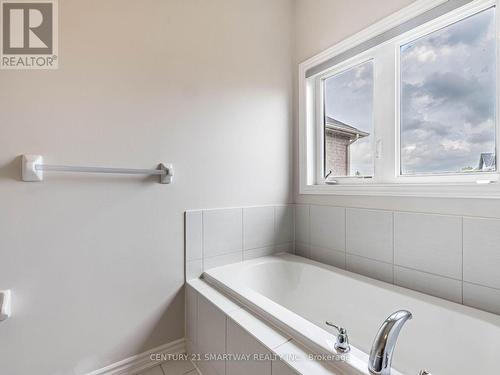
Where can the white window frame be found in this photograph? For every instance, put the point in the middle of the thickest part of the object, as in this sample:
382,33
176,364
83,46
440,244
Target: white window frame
387,179
319,85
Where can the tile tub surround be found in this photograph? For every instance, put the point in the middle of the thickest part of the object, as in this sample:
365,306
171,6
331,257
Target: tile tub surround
452,257
221,236
235,331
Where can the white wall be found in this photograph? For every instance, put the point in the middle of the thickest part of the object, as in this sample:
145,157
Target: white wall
321,24
96,262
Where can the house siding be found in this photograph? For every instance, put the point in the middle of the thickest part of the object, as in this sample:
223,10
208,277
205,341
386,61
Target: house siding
336,154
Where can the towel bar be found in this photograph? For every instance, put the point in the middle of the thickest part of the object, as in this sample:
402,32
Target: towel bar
33,168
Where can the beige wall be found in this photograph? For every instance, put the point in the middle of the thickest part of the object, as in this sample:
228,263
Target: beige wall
321,24
96,263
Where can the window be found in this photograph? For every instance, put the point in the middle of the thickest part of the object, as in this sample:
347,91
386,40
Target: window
448,99
408,110
348,122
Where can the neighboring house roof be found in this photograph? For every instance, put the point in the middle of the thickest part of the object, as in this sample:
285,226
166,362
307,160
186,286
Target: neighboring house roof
487,161
336,126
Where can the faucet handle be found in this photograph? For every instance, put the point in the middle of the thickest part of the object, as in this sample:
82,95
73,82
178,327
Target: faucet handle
342,343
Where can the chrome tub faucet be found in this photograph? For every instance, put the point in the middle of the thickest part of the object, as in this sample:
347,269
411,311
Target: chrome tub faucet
385,342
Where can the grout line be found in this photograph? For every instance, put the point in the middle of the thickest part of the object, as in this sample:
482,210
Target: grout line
242,231
429,273
275,241
163,372
225,341
197,308
283,343
294,231
402,211
202,241
481,285
368,258
345,238
309,242
393,248
185,246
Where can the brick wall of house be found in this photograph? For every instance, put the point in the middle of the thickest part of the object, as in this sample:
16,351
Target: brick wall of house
336,154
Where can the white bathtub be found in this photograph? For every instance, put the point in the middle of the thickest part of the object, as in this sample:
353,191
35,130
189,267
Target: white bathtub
299,294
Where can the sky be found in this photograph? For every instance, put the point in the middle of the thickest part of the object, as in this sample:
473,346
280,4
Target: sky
349,98
448,97
447,100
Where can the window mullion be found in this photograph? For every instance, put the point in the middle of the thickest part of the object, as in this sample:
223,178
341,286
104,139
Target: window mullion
384,113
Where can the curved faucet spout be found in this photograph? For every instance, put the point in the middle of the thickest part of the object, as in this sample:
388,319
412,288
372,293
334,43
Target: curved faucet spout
385,341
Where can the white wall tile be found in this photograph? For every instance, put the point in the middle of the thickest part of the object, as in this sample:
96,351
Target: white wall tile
328,227
302,234
222,231
258,227
369,234
260,330
206,368
482,251
240,342
191,347
328,256
194,269
222,260
153,371
218,299
257,253
178,367
431,243
191,313
211,331
300,361
423,246
303,250
482,297
194,235
281,368
371,268
283,224
286,247
429,284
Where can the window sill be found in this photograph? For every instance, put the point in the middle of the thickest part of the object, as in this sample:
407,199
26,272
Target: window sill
463,190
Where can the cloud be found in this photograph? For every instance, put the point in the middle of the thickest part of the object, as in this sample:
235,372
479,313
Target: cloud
361,154
468,32
448,102
454,91
349,97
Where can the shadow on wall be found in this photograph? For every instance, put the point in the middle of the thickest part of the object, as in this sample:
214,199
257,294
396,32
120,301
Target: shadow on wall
152,335
11,170
173,309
